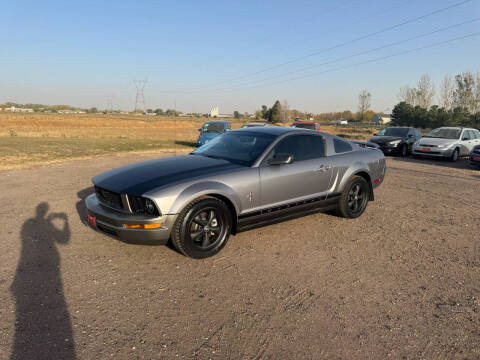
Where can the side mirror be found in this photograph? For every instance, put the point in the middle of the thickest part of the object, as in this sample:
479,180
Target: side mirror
200,129
376,134
410,135
280,159
465,138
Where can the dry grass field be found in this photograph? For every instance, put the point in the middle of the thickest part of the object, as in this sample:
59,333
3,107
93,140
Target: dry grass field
38,139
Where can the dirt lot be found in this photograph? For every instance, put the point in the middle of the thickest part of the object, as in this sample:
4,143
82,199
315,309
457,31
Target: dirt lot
401,282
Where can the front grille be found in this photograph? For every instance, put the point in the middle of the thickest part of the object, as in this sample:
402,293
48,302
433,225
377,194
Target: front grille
426,145
109,198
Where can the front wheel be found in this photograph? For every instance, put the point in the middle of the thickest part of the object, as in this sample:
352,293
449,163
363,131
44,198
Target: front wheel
354,199
404,150
454,156
202,228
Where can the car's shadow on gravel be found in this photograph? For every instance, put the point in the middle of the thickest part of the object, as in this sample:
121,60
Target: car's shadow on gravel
43,328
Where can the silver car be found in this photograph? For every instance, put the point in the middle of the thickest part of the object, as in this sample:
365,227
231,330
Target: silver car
447,142
239,180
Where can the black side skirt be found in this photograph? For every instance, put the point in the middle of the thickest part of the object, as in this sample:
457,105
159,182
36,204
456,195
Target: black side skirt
285,212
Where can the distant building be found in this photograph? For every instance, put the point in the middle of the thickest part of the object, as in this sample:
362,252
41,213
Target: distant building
381,119
16,109
214,112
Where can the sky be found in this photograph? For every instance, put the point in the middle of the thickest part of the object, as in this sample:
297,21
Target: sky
238,55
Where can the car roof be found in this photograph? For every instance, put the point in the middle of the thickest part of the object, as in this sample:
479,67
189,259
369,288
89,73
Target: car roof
217,121
272,130
304,122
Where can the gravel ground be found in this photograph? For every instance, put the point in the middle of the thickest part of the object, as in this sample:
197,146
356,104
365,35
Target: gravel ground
401,282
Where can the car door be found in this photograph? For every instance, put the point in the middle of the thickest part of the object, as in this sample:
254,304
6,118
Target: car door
309,174
466,142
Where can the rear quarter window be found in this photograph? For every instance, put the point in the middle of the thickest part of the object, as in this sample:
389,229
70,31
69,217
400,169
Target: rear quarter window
341,146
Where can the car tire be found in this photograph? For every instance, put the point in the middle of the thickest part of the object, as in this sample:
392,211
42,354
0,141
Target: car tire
202,228
454,156
354,198
416,156
404,150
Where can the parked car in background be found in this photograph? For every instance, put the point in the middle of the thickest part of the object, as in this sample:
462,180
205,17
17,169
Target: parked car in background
254,124
342,121
309,125
241,179
396,140
475,156
211,129
447,142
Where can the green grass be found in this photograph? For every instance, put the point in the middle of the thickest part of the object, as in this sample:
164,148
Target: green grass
16,151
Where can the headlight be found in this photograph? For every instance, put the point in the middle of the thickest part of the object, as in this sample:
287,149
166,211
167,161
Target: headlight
444,146
143,206
395,142
416,143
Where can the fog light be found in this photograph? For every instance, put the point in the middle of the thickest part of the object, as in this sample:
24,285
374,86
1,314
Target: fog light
142,226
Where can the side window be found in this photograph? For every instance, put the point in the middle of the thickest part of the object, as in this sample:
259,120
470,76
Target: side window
466,135
301,147
341,146
419,133
477,134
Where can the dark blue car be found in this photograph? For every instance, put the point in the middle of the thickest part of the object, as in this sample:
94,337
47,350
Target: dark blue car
211,129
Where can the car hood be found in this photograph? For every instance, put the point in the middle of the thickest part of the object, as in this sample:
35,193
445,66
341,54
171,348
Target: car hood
384,139
436,141
138,178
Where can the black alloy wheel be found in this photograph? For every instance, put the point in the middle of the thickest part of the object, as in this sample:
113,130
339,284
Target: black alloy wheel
354,198
202,228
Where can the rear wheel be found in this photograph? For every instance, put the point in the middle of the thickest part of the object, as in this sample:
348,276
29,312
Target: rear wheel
202,228
354,199
454,156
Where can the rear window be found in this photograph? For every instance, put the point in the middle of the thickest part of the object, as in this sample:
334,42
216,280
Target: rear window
341,146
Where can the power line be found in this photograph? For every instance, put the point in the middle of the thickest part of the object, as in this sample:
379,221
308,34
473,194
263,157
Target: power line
359,53
339,45
362,62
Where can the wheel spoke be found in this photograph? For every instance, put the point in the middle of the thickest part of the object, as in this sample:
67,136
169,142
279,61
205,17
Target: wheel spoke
198,220
196,234
215,229
211,216
206,240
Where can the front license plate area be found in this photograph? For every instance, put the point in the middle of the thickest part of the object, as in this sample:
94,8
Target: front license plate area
426,149
92,221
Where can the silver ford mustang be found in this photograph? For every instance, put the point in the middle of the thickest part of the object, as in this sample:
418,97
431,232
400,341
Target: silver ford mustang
239,180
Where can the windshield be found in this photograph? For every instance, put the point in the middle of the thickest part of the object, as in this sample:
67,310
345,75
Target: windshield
304,126
213,127
402,132
445,133
239,147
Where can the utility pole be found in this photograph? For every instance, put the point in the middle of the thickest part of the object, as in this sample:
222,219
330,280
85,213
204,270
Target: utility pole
140,97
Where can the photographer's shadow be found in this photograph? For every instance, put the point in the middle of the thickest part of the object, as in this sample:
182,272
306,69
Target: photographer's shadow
43,328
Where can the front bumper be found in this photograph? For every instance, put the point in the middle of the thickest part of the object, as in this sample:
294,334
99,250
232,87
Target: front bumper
432,151
111,221
475,159
390,149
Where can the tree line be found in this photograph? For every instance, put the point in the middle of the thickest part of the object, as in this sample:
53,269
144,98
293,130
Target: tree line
459,103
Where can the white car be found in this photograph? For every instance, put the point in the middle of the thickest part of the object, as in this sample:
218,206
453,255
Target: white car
342,122
447,142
